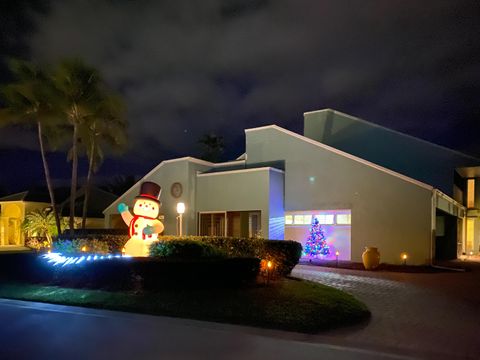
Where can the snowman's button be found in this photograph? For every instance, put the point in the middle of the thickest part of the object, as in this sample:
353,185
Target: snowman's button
136,225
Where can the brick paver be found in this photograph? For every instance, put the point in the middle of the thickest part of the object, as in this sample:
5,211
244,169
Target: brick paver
427,315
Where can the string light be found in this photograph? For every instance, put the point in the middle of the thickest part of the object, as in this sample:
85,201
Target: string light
58,259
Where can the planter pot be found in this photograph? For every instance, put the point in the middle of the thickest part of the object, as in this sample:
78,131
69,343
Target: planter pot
371,258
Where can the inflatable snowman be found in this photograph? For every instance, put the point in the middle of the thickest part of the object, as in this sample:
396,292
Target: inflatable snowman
143,225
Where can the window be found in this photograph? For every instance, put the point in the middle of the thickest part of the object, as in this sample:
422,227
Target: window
470,233
325,219
471,193
298,220
344,219
288,219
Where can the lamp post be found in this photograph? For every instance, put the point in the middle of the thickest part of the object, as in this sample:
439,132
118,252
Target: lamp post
337,253
180,211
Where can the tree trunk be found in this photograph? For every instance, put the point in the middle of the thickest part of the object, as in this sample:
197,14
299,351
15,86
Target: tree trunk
89,181
73,188
48,179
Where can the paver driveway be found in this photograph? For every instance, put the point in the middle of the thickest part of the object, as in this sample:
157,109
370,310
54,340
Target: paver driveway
426,315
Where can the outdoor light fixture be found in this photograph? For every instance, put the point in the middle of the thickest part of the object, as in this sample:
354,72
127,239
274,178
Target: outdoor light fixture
84,248
337,253
404,258
269,264
180,211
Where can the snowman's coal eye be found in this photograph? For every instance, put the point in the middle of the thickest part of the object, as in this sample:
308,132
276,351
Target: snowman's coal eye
140,205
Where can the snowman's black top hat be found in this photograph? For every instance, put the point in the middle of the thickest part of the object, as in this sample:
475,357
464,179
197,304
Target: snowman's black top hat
150,190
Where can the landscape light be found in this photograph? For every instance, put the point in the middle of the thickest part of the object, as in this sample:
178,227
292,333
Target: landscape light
84,248
404,258
269,264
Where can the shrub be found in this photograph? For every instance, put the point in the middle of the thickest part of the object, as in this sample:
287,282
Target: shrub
285,254
157,273
184,248
102,244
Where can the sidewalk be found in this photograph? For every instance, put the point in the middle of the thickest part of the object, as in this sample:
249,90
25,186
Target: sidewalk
428,315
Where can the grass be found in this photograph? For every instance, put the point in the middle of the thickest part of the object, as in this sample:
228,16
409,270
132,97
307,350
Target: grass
288,304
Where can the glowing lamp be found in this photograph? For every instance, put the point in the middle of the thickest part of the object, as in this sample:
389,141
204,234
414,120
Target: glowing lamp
180,208
337,253
269,264
84,248
471,253
404,257
123,251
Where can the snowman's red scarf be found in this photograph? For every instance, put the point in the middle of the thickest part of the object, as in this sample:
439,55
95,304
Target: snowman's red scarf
131,226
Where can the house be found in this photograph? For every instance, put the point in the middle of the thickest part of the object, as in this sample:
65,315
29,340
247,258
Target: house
366,184
98,200
14,208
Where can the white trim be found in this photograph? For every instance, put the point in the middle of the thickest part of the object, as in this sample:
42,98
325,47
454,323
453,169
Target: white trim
227,163
344,154
393,131
241,171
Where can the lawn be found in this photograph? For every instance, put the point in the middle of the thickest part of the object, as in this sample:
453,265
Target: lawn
288,304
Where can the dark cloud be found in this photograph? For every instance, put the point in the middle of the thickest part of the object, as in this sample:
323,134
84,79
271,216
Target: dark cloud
192,67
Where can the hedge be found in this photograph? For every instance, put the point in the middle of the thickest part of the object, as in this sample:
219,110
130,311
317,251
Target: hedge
284,254
100,243
184,248
150,273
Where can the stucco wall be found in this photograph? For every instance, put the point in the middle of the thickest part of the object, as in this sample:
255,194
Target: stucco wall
387,211
182,171
244,191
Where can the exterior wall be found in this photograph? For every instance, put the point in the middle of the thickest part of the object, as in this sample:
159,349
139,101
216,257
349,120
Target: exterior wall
18,211
388,211
244,190
182,171
419,159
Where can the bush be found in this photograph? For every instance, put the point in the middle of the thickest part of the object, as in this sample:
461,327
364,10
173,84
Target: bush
157,273
76,246
284,254
112,244
184,249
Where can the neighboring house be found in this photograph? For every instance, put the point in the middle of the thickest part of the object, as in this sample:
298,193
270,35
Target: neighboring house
367,185
13,209
97,202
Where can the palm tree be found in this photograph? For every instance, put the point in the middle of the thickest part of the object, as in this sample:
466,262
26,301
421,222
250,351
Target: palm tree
107,127
41,223
29,102
79,87
213,147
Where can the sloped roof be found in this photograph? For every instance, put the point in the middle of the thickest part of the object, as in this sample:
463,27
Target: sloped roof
344,154
28,195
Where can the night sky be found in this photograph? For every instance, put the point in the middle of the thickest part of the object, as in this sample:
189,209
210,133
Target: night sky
186,68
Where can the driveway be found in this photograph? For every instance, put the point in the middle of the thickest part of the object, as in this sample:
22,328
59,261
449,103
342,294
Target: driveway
435,315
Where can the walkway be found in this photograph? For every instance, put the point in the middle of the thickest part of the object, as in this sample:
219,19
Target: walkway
427,315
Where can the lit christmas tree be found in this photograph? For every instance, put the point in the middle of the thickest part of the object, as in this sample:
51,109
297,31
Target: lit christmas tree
316,243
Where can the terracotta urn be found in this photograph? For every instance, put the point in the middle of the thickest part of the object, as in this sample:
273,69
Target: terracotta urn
371,258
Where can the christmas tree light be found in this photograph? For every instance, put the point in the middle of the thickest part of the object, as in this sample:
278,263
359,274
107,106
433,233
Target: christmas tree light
316,244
